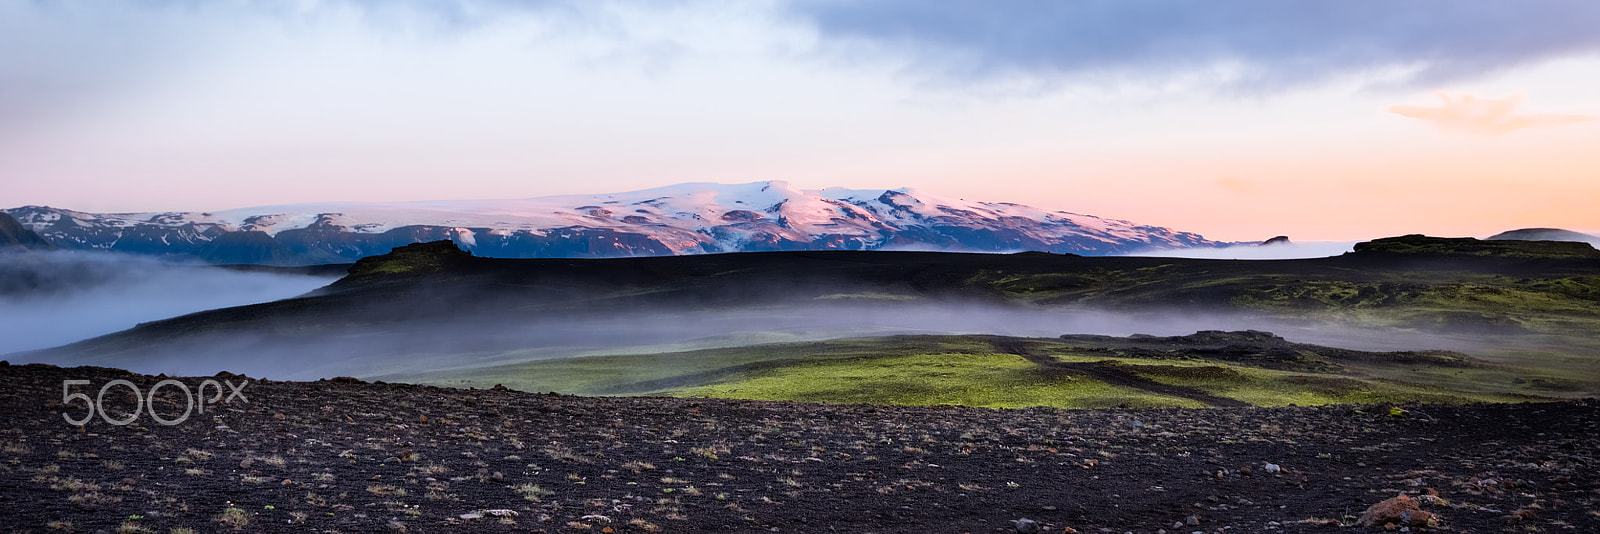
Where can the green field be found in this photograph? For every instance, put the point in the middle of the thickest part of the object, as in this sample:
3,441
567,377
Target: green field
970,371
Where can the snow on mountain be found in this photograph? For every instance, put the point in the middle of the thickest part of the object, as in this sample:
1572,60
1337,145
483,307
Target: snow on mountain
680,219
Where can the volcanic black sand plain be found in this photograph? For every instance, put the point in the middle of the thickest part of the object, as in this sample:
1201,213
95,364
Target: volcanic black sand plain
346,456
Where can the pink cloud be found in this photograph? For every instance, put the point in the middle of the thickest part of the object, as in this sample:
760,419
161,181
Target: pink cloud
1486,116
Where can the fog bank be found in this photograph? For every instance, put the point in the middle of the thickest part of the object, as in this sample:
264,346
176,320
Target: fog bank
54,298
1285,251
450,341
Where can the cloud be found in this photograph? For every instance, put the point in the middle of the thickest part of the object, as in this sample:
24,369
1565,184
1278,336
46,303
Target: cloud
69,58
1257,46
1486,116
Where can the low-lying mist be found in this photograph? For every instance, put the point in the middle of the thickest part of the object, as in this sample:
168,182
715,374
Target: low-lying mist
53,298
459,342
1279,251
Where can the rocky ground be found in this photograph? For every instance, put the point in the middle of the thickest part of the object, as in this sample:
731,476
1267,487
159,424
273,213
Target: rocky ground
344,456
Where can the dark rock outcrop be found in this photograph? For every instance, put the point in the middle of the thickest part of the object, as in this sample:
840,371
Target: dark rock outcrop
1417,244
1279,240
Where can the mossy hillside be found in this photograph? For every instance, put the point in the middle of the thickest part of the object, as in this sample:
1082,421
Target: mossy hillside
413,259
967,370
982,380
1355,383
1568,305
616,374
1084,286
1268,387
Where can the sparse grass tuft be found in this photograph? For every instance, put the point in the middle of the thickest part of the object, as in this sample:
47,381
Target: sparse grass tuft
386,489
234,518
532,492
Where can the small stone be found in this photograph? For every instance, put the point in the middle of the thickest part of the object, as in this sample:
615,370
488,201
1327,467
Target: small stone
1027,526
470,517
1272,468
1193,521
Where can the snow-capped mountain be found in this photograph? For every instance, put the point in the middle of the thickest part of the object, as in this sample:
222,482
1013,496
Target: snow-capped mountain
689,218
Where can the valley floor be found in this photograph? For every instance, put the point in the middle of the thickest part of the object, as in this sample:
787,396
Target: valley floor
345,456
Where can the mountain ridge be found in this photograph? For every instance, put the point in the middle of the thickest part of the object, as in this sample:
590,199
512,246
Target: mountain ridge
692,218
15,236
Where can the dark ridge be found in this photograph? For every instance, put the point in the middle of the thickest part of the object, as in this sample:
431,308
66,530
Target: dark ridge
1417,244
1261,349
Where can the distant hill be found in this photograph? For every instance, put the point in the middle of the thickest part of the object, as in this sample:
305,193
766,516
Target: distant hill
1466,246
1546,234
15,236
696,218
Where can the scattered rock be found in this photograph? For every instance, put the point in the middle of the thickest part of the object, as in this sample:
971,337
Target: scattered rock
1401,510
1272,468
1027,526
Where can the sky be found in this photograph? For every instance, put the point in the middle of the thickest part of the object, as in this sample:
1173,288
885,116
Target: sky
1236,119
